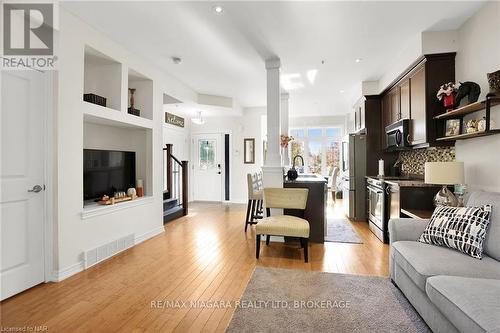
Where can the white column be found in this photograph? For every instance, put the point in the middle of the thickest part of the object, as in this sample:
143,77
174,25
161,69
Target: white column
284,125
273,169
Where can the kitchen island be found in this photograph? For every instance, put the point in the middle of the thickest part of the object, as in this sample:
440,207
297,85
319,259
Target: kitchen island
315,212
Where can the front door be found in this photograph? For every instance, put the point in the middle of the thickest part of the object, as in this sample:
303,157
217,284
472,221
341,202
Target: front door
22,174
207,166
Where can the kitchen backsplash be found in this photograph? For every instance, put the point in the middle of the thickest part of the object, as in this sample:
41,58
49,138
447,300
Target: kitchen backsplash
413,161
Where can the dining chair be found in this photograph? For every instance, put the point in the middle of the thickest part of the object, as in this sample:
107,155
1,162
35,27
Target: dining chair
284,225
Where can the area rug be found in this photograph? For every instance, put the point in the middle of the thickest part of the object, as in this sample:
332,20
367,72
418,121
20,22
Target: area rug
341,231
283,300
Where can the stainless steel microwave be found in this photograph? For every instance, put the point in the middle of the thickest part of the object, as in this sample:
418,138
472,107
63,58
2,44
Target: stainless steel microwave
398,135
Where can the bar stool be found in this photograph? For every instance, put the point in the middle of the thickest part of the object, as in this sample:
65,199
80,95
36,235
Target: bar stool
255,198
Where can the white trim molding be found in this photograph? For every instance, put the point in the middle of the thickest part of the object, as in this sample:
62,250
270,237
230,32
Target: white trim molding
78,267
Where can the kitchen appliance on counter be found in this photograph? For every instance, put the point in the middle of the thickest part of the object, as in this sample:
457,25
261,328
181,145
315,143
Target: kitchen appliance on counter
398,135
383,204
355,186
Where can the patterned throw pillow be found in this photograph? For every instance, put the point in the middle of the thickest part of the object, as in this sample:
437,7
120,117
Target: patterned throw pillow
459,228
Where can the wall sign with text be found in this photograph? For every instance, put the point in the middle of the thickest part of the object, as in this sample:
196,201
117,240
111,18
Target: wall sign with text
172,119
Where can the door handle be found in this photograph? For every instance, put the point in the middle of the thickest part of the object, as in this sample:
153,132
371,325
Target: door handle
37,188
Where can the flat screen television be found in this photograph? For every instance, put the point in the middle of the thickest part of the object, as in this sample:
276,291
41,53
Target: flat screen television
106,172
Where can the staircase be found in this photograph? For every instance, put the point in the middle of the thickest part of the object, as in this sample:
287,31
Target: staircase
175,195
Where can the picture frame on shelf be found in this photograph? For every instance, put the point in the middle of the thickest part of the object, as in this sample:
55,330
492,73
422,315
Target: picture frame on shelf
453,127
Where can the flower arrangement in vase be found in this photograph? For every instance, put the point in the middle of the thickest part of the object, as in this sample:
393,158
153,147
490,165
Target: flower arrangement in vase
285,140
447,93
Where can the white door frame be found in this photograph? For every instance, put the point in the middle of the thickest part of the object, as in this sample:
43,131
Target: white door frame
194,158
49,181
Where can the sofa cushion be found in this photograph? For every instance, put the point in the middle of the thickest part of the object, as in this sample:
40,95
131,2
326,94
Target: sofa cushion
459,228
421,261
491,243
472,305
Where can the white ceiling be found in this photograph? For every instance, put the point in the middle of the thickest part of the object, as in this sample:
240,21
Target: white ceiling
223,54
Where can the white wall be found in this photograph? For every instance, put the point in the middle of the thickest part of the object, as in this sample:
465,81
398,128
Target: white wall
239,128
478,54
72,234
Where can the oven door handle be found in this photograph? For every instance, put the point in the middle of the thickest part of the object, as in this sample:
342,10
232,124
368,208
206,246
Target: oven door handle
377,191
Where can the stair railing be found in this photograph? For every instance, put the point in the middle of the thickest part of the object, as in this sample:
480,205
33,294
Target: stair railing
176,174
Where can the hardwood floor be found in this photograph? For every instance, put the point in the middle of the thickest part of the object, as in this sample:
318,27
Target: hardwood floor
205,256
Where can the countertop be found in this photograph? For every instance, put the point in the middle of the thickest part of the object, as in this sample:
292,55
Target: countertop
404,181
307,178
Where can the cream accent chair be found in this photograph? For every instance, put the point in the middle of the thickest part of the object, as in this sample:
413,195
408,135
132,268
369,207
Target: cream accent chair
284,225
254,206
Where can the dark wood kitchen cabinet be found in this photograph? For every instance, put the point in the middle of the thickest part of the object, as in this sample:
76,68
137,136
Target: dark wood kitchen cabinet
413,96
404,90
417,106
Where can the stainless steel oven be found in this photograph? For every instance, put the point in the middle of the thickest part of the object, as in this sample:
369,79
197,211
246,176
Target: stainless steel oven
377,207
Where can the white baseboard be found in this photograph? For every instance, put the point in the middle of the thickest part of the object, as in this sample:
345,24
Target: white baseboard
78,267
68,271
149,234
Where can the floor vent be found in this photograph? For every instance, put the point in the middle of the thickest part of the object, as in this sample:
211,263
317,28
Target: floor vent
108,250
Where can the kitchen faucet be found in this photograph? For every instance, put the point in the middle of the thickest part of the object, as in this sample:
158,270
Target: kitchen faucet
301,158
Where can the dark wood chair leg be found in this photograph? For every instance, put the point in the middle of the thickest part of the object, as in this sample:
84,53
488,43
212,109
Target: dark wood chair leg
306,252
257,247
248,215
268,238
252,210
268,212
301,242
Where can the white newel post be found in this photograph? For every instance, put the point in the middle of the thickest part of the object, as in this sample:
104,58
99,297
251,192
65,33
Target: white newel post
273,169
284,126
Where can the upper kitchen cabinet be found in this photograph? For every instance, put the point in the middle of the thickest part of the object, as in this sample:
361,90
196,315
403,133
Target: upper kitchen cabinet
413,96
418,133
359,115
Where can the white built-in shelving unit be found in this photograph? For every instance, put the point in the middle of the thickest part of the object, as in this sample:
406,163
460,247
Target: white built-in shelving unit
111,127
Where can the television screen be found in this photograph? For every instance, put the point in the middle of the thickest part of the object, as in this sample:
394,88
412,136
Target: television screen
106,172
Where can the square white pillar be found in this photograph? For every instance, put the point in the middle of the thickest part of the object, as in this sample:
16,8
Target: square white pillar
273,168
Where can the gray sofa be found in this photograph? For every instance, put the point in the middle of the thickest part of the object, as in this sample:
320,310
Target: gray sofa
453,292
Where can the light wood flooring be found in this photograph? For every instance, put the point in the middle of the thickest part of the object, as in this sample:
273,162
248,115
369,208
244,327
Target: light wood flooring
203,256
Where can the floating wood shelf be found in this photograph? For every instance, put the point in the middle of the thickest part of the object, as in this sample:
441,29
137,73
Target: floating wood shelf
469,135
474,107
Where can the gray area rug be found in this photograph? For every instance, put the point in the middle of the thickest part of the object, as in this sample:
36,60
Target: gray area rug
299,301
341,231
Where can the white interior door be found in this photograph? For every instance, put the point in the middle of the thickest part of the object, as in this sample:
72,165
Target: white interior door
207,167
22,200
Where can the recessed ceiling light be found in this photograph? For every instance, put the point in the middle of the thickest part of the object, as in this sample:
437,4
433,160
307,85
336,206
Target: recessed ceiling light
342,91
358,60
217,9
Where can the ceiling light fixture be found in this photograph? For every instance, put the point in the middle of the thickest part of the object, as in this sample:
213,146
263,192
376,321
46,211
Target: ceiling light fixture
342,91
217,9
198,120
358,60
176,60
311,75
291,81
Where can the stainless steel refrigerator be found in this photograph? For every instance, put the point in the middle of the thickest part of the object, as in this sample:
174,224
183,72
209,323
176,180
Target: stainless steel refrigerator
357,173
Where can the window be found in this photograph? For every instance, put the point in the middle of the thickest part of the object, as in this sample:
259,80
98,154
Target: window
206,154
320,148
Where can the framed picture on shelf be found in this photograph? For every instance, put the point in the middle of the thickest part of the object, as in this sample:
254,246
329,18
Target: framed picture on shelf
453,127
